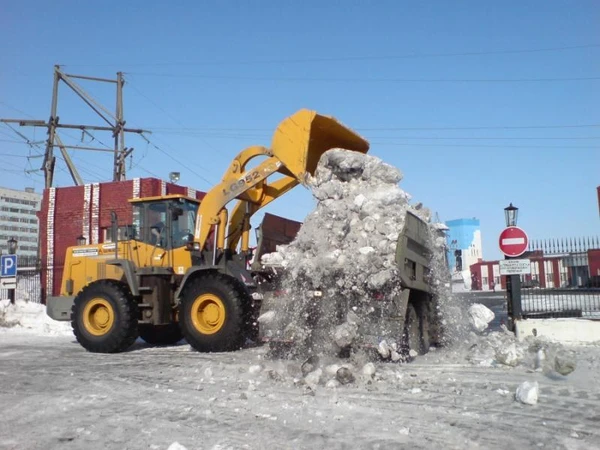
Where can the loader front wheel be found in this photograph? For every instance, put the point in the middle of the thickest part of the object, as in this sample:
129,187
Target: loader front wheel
211,314
104,317
161,334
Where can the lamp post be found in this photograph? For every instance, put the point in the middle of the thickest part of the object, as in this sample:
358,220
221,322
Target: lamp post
12,249
513,282
510,214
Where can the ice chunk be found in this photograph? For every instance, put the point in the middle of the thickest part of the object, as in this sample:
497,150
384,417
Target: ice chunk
267,317
384,349
527,393
313,378
369,370
564,363
332,384
176,446
254,369
345,334
480,316
344,375
509,355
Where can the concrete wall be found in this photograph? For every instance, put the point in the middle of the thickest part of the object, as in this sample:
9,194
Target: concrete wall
566,331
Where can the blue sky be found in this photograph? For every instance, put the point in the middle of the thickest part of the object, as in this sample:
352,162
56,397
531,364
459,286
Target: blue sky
478,103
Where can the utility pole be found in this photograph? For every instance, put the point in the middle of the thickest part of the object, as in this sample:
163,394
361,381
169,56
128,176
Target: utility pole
115,123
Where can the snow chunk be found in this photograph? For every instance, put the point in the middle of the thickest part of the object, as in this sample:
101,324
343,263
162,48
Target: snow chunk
369,370
527,393
345,334
384,349
176,446
267,317
509,355
564,363
480,316
344,375
254,369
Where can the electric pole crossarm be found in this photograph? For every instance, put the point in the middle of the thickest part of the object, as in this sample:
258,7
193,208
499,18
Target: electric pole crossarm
41,123
78,147
83,77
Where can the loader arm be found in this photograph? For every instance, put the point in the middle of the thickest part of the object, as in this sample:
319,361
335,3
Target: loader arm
298,143
242,212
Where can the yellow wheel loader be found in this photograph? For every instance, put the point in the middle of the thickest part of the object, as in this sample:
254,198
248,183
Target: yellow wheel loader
181,271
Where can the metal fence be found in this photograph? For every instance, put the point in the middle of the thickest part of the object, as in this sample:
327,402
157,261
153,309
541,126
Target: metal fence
29,285
564,280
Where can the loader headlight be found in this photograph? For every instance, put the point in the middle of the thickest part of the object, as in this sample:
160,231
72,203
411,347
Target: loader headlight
193,246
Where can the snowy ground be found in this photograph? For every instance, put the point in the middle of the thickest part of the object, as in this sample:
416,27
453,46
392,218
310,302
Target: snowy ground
56,395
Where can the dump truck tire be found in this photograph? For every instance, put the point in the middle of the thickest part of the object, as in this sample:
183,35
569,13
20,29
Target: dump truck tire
425,321
211,313
161,334
412,331
104,317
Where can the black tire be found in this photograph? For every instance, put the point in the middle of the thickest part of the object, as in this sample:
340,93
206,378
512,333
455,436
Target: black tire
425,319
212,313
412,331
104,317
161,334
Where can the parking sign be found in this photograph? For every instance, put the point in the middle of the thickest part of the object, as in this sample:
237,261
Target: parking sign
8,265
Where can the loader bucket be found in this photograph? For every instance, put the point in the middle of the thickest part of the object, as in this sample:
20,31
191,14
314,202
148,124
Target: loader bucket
301,139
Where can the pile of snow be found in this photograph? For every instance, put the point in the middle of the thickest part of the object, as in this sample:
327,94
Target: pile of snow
346,248
31,317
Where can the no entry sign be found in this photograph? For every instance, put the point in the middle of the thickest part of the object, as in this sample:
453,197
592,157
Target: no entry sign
513,241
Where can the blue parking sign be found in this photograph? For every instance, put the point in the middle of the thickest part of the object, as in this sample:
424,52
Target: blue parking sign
8,265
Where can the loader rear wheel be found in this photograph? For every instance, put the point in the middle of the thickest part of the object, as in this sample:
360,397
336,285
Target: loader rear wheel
161,334
211,314
104,317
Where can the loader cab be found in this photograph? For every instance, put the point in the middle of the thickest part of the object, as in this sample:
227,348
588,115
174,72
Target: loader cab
167,222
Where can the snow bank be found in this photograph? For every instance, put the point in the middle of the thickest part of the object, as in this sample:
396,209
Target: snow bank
30,317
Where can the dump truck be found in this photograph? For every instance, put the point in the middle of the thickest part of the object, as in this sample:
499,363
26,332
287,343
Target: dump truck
181,268
410,320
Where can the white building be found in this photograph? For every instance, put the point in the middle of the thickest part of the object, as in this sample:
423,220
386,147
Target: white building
18,220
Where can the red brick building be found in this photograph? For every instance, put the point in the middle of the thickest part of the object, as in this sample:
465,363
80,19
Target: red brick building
569,269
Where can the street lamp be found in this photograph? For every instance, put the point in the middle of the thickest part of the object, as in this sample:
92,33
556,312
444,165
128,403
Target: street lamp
510,214
12,246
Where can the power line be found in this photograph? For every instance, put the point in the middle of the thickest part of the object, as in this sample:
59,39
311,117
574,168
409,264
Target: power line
442,145
368,80
182,164
494,127
351,58
163,110
485,138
